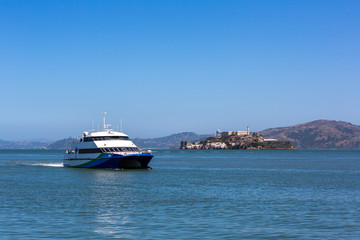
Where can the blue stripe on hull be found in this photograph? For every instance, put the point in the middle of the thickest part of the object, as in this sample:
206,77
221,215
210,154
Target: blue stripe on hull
116,161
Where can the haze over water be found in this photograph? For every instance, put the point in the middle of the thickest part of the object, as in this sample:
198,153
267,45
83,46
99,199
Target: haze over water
187,195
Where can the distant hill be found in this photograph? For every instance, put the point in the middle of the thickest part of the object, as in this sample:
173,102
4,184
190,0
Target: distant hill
319,134
172,141
62,143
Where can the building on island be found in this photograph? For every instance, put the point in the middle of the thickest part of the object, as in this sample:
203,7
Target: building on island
236,133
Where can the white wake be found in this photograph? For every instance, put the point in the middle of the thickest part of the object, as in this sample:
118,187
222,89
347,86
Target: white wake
46,164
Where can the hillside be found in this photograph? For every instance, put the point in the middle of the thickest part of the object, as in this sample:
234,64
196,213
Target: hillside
172,141
319,134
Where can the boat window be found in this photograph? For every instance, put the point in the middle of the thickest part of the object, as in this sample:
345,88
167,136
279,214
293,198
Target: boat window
107,150
90,150
105,138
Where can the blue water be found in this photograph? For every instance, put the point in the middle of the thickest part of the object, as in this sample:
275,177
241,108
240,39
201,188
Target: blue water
187,195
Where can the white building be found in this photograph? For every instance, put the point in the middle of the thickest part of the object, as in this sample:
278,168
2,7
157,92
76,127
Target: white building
236,133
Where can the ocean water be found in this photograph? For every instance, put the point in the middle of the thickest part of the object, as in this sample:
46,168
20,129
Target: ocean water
187,195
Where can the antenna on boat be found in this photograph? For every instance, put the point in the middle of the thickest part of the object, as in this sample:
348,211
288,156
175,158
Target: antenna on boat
120,125
105,127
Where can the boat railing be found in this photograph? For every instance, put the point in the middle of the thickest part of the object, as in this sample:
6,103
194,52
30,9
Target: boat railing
146,151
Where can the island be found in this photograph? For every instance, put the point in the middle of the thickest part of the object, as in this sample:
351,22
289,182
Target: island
241,140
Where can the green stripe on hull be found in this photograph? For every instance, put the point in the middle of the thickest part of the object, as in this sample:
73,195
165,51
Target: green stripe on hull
85,163
100,156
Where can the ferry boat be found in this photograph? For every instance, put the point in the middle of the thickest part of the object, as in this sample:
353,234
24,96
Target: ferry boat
106,149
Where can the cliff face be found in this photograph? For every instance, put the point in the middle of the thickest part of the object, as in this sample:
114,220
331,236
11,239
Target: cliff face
320,134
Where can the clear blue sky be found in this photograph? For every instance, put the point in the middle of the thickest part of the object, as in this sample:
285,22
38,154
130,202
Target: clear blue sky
170,66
